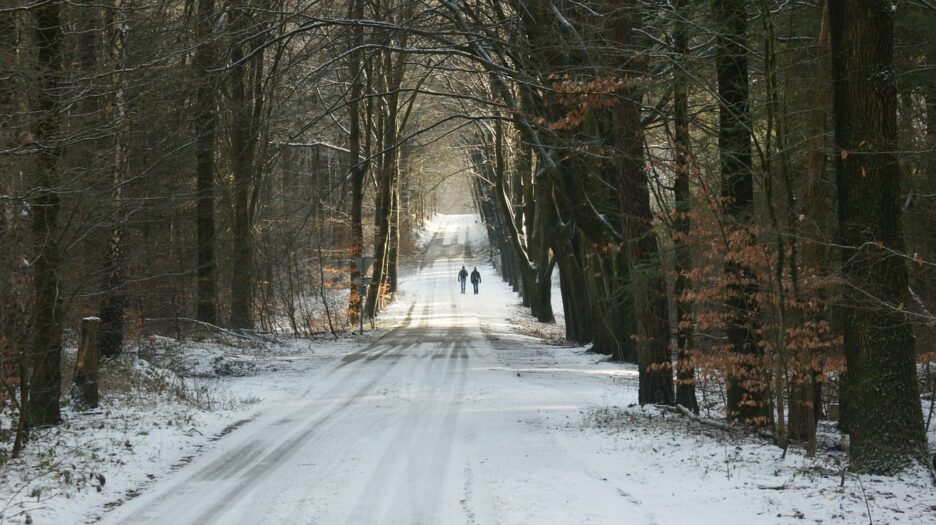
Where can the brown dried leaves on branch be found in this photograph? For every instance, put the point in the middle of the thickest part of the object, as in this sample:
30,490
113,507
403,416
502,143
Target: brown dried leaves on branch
577,98
790,307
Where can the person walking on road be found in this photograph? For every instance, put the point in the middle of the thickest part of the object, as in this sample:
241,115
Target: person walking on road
463,278
475,279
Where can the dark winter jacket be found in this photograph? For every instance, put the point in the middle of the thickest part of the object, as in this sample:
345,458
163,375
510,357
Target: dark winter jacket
463,274
475,277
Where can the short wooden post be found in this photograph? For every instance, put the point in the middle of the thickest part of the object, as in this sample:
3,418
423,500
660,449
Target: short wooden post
85,390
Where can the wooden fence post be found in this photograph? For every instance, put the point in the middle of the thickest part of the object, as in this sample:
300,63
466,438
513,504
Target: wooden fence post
85,389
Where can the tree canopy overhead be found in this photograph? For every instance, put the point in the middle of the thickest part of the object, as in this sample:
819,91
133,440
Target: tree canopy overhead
736,195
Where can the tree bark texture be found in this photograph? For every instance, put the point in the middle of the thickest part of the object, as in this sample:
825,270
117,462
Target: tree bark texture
358,169
647,284
246,104
610,306
391,74
885,420
45,357
746,389
806,392
206,128
85,378
685,372
393,256
572,287
519,266
544,225
586,181
114,302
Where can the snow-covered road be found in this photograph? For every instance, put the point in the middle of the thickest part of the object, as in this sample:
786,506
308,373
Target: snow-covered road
458,416
425,425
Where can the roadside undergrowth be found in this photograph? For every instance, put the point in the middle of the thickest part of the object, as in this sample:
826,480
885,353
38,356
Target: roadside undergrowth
147,415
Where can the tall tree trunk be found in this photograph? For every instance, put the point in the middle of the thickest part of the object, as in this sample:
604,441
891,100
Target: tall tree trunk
110,334
609,302
885,420
244,113
572,288
526,273
931,117
45,382
746,398
806,391
685,372
604,270
14,290
392,74
525,265
206,124
393,261
537,213
647,284
543,226
358,168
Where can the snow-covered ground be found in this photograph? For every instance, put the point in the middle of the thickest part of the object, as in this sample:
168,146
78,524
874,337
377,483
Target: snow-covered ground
453,411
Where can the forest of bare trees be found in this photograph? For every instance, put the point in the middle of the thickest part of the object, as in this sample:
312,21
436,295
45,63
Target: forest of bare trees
739,196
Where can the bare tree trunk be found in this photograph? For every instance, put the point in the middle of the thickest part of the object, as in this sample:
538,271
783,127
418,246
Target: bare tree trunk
805,395
514,179
357,167
685,372
45,382
544,225
85,379
246,105
746,399
931,118
647,284
206,125
572,288
885,420
582,179
110,334
394,249
606,274
525,264
535,211
392,72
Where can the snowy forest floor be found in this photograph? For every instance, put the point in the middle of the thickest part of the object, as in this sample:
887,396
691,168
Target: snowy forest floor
546,433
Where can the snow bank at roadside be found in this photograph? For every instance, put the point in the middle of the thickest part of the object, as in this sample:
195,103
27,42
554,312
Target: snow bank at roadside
682,469
672,468
162,405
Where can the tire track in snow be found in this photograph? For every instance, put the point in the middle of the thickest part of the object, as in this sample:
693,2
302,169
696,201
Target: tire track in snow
368,350
416,460
256,460
248,463
421,473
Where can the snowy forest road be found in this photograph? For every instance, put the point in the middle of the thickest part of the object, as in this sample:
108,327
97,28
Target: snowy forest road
424,425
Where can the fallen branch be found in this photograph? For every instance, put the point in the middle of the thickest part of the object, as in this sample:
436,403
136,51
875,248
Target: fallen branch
681,410
249,336
773,487
718,425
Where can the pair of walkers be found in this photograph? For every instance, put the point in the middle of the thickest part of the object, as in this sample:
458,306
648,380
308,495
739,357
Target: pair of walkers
475,279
